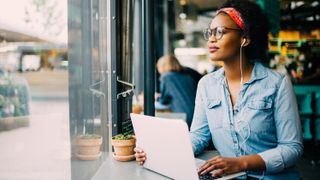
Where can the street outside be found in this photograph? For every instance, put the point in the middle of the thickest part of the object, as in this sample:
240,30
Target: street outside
40,150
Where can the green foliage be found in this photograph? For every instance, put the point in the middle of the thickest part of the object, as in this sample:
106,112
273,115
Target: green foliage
13,98
122,137
45,15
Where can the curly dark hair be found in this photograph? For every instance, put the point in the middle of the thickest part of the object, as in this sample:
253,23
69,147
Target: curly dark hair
256,27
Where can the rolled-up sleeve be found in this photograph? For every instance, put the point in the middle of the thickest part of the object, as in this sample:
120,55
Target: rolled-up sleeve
288,128
200,133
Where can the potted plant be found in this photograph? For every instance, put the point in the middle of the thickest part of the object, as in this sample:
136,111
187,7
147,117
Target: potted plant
14,108
123,145
88,146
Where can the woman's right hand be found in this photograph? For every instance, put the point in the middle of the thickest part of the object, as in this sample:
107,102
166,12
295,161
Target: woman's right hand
140,155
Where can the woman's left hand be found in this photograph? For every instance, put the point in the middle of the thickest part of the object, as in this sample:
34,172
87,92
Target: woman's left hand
223,165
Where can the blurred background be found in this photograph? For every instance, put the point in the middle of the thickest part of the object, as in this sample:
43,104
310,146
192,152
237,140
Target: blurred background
68,68
34,126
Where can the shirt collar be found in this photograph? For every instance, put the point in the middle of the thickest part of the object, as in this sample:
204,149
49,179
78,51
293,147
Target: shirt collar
258,72
219,75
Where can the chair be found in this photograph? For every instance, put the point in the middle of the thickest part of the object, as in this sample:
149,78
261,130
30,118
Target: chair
317,125
317,114
304,99
308,98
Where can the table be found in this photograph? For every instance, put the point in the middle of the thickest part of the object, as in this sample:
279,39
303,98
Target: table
112,169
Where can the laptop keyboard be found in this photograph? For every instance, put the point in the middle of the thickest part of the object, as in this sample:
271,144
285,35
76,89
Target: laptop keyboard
206,177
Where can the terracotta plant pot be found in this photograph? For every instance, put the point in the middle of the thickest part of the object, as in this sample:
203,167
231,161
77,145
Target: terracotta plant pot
88,147
123,149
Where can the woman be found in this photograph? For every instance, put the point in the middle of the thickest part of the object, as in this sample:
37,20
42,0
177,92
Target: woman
249,111
178,86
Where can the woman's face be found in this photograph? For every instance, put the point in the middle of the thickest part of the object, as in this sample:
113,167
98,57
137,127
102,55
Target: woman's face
226,48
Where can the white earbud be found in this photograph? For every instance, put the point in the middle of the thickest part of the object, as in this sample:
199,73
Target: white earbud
241,73
244,41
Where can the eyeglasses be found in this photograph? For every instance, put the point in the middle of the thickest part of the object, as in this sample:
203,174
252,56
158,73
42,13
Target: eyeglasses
217,32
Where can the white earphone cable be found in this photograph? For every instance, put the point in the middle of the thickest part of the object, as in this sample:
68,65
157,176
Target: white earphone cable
241,74
242,147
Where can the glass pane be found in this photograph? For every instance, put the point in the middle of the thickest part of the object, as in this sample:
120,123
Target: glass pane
34,112
88,86
137,69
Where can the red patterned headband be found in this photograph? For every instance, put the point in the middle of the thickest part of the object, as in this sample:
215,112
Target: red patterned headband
234,15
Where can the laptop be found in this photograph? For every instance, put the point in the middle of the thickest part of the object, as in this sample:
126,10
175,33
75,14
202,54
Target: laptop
167,145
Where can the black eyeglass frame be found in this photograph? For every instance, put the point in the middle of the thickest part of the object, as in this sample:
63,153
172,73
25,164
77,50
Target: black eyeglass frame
207,33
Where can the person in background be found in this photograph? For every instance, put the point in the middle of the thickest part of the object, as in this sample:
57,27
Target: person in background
178,86
248,110
311,65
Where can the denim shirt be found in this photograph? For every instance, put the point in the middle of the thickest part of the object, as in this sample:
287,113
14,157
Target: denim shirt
264,121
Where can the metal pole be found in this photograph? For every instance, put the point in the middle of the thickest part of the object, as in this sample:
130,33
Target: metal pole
114,51
149,65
